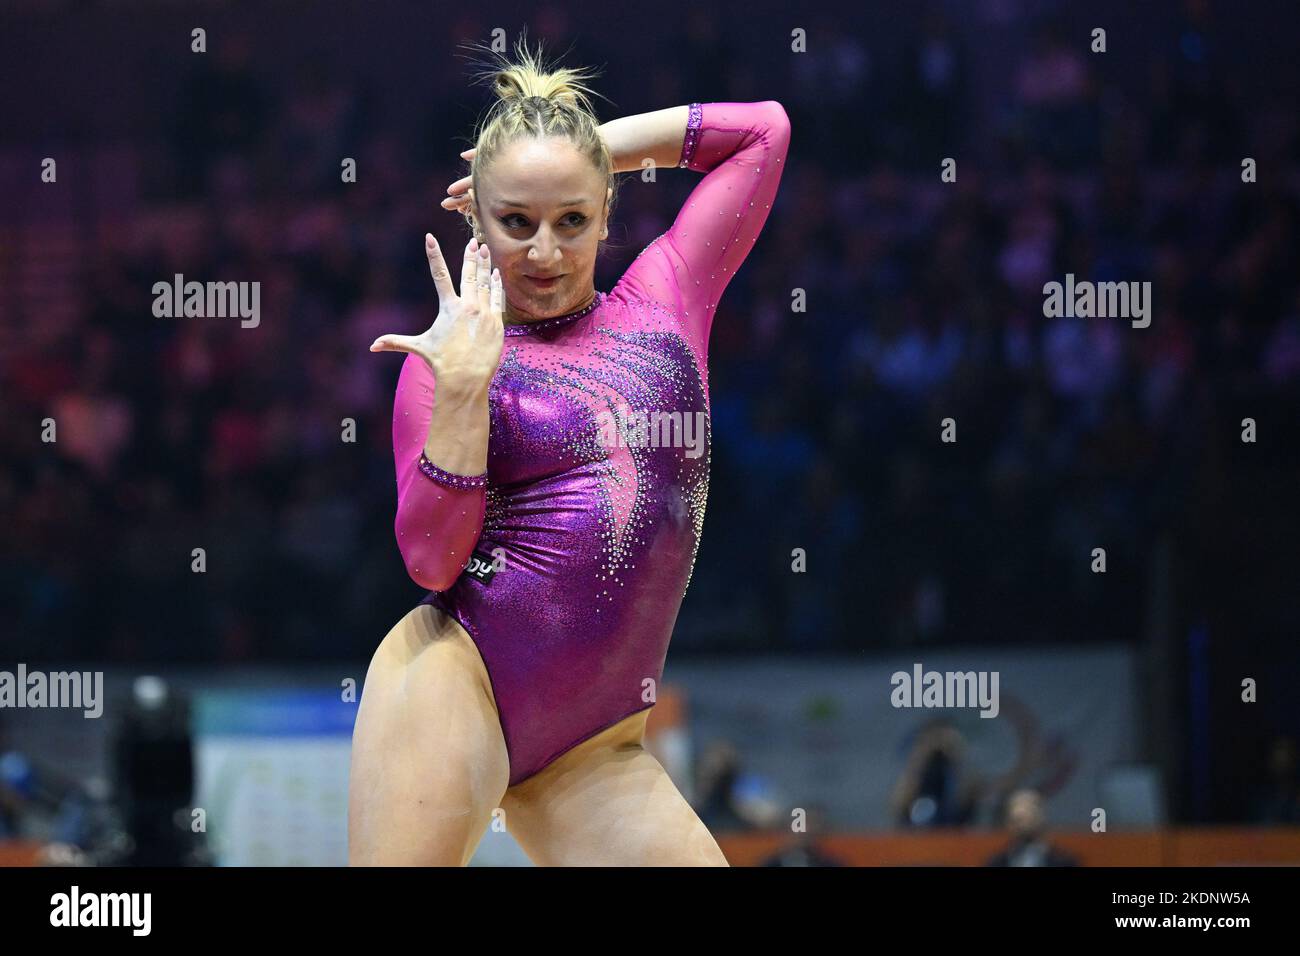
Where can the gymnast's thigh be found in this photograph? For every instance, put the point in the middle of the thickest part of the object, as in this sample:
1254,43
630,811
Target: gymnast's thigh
607,805
429,761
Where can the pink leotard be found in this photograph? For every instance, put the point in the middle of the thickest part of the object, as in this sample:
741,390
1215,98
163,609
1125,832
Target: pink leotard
568,567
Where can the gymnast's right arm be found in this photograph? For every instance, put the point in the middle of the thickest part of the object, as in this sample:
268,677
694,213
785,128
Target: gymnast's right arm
438,445
441,420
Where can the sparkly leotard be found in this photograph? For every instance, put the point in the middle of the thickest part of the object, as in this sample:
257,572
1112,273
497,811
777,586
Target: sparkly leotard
568,568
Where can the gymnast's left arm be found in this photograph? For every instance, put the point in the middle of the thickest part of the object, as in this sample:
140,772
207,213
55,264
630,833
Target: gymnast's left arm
741,149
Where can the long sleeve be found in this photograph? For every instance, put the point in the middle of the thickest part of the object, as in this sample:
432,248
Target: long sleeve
437,523
741,148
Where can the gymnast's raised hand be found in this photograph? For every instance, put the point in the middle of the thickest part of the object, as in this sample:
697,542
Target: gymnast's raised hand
458,193
463,345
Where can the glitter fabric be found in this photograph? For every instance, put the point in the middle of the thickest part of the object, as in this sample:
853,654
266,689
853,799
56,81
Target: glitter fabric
447,478
593,524
694,117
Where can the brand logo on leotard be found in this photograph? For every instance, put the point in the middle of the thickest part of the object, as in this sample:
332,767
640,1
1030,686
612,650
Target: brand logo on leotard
483,567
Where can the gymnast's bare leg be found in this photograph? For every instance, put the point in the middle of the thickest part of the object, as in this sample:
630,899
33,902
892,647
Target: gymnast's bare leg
429,767
429,761
608,802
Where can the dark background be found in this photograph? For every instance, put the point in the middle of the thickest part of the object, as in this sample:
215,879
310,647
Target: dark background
924,302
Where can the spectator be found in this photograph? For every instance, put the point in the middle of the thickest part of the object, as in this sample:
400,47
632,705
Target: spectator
1029,845
1277,800
802,849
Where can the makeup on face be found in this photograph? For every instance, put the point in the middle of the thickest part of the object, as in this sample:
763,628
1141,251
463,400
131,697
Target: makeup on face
543,284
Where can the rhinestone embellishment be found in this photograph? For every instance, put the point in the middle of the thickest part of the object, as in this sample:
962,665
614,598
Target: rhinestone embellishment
692,138
559,320
449,480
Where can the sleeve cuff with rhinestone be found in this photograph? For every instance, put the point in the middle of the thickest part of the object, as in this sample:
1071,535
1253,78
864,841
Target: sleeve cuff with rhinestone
447,479
692,139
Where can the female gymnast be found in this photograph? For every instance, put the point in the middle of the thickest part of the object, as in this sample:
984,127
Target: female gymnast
556,559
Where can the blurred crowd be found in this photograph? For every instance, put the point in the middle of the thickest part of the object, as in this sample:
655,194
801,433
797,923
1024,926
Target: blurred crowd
923,302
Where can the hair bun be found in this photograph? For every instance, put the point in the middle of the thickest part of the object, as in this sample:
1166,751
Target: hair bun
528,78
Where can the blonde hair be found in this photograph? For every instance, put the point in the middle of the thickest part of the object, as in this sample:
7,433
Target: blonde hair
533,100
